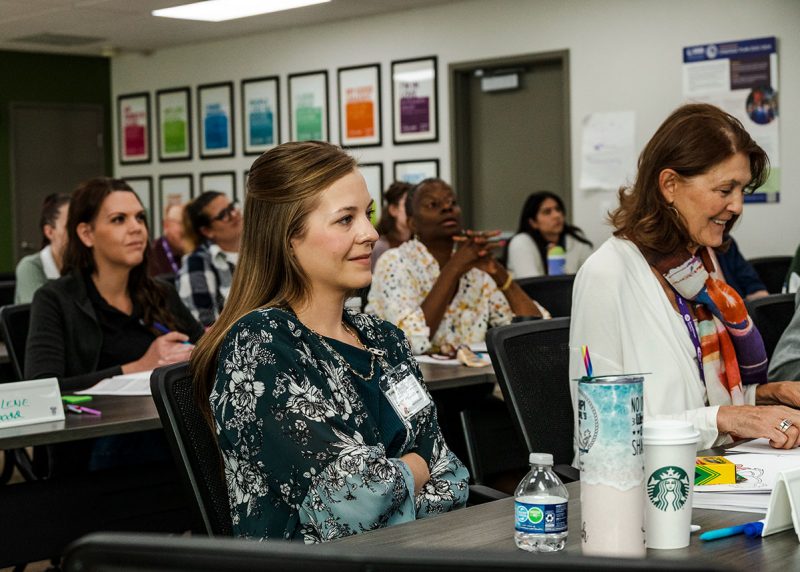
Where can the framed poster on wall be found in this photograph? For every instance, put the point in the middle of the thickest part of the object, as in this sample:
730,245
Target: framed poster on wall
222,181
261,119
373,176
174,124
133,128
143,187
215,120
308,106
172,190
360,106
415,171
415,117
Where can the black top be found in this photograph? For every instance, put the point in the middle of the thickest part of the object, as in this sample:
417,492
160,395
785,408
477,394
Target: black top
66,336
125,338
392,430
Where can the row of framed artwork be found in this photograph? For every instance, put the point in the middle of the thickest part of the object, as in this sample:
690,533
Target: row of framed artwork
179,188
414,113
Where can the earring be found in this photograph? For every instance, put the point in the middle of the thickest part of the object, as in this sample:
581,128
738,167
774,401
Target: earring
674,210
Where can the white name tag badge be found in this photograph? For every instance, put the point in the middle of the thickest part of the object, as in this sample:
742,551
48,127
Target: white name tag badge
28,402
407,396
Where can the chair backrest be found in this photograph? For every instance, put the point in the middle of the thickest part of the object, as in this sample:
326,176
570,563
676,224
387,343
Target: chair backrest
531,361
194,446
7,288
772,270
771,315
14,326
552,292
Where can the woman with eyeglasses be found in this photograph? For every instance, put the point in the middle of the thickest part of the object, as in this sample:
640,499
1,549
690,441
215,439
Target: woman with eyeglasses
213,226
444,287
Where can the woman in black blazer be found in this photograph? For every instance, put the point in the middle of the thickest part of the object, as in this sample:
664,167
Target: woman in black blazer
105,316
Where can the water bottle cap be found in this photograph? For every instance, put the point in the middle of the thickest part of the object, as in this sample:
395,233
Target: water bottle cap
540,459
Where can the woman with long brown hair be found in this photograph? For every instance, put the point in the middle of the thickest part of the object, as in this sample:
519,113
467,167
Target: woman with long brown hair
324,424
650,299
105,316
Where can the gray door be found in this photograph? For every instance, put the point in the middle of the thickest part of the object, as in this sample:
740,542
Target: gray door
507,144
53,148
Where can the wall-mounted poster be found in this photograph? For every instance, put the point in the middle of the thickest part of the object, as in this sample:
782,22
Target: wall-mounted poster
172,190
414,101
174,121
415,171
223,181
133,128
143,187
373,175
308,106
215,107
360,106
261,119
741,77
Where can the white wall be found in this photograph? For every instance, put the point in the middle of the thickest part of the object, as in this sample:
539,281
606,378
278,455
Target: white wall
624,55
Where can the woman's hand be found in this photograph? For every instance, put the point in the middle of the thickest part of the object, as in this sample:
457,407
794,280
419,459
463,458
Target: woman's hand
779,393
760,421
166,349
474,251
419,468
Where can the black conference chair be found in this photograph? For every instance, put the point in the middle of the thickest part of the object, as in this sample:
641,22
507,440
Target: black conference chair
531,361
772,270
771,315
552,292
114,552
194,447
14,325
7,288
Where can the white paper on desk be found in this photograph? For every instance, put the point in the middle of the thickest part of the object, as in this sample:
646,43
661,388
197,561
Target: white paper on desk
127,384
453,362
762,446
608,157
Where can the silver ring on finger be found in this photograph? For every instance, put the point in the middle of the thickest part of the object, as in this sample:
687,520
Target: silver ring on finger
784,425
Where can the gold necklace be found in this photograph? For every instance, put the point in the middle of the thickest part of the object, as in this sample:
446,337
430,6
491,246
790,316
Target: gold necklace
341,359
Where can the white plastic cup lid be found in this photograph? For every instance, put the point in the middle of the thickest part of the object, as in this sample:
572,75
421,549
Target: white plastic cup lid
540,459
669,432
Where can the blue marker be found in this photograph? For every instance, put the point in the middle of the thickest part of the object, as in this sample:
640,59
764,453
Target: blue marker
750,529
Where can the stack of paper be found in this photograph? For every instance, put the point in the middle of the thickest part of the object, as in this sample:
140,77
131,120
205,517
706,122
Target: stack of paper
130,384
760,471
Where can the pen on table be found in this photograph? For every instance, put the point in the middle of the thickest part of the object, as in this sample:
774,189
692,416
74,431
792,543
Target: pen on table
165,330
79,409
750,529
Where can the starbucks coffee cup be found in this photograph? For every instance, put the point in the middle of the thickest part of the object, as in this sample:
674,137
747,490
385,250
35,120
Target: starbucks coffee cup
670,449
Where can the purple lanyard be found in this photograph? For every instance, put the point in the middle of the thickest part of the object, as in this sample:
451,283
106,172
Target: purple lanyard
168,252
693,335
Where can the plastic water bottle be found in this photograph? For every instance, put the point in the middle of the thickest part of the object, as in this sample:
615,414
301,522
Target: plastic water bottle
540,508
556,260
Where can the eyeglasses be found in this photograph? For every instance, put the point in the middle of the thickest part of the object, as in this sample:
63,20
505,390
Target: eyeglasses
225,214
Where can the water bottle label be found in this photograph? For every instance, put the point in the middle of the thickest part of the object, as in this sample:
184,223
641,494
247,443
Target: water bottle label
540,518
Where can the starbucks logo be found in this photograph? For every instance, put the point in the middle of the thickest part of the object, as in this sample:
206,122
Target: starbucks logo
668,488
588,424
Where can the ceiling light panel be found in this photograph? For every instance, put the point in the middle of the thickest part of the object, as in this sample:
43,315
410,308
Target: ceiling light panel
221,10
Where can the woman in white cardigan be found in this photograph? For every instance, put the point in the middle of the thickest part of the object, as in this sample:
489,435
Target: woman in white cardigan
650,299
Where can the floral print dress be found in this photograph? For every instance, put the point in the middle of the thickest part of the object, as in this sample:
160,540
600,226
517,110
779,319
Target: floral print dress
404,276
303,451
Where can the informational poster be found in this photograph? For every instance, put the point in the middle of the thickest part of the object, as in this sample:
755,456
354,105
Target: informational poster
414,102
373,176
415,171
174,124
741,77
608,158
223,182
173,190
261,114
359,106
134,128
215,103
308,102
